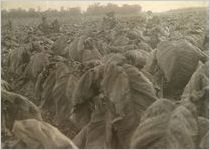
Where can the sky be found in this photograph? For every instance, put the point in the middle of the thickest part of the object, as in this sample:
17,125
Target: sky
155,6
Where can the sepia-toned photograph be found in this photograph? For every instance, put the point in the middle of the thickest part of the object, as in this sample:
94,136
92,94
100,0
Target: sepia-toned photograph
104,74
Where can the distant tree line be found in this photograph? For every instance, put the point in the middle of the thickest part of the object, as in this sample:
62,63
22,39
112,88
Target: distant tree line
36,13
95,9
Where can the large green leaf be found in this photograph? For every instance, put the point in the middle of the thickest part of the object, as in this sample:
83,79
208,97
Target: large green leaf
165,125
120,40
17,59
87,88
61,69
90,54
17,107
131,93
46,96
62,95
53,76
125,84
40,134
88,85
137,58
59,46
75,48
197,89
178,60
37,63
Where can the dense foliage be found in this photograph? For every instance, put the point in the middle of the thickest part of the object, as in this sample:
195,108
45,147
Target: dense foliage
137,81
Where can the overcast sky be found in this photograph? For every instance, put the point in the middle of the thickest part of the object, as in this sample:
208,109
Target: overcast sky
155,6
